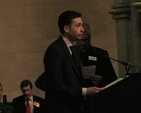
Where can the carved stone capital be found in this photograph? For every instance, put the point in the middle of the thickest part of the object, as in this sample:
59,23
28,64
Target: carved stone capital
137,5
120,10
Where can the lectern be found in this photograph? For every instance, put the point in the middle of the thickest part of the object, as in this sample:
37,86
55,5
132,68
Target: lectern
122,97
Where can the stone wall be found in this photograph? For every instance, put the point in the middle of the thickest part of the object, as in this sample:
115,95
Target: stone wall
27,27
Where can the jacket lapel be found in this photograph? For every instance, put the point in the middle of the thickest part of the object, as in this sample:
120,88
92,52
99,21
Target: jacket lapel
71,59
67,52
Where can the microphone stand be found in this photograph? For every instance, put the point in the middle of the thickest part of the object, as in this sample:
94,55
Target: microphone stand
127,67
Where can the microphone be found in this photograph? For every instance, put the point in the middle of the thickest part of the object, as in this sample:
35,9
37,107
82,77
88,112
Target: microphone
126,64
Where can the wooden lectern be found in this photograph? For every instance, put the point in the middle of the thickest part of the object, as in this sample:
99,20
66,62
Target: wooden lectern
122,97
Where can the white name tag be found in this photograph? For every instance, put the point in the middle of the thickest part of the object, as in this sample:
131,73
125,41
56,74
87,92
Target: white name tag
92,58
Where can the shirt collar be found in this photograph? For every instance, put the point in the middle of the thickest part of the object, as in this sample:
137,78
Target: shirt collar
31,98
67,42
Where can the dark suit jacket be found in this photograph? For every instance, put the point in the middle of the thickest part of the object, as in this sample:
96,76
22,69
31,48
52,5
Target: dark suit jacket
102,62
41,82
19,104
6,108
64,81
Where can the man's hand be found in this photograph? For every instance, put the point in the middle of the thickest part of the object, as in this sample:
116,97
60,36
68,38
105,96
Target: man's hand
93,90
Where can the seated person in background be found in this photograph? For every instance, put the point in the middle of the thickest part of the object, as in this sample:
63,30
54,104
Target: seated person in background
36,104
4,108
90,55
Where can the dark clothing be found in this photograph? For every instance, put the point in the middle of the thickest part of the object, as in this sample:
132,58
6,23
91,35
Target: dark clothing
64,81
103,64
96,56
5,108
41,82
19,104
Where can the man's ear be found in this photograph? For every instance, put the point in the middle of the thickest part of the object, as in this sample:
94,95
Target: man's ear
66,29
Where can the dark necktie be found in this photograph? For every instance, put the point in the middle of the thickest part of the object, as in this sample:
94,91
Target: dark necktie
76,62
74,56
28,106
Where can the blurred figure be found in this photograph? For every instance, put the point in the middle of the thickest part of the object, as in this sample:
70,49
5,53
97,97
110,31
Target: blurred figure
4,107
94,56
28,101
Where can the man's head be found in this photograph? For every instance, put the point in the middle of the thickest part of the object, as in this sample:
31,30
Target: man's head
26,88
70,25
85,42
1,91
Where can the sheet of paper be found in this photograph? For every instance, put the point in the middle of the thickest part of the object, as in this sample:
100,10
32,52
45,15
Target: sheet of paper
88,71
114,82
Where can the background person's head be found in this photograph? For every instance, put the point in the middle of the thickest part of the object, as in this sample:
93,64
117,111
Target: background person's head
70,25
26,88
85,42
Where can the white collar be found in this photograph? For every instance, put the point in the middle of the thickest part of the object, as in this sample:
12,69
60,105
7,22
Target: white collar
67,42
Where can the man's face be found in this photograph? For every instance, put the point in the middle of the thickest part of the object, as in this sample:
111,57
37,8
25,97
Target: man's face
83,43
27,91
1,92
75,29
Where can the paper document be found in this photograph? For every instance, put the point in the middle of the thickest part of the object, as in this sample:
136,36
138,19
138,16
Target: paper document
88,71
114,82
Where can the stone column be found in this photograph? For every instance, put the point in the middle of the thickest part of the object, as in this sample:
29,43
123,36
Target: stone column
127,15
136,25
121,12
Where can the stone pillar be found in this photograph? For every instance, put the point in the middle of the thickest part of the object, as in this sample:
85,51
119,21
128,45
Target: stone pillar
127,15
121,12
136,25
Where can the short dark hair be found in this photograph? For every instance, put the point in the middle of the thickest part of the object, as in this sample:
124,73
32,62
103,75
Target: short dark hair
25,83
66,18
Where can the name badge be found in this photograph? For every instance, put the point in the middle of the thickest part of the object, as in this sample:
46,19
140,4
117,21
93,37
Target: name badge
92,58
36,104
